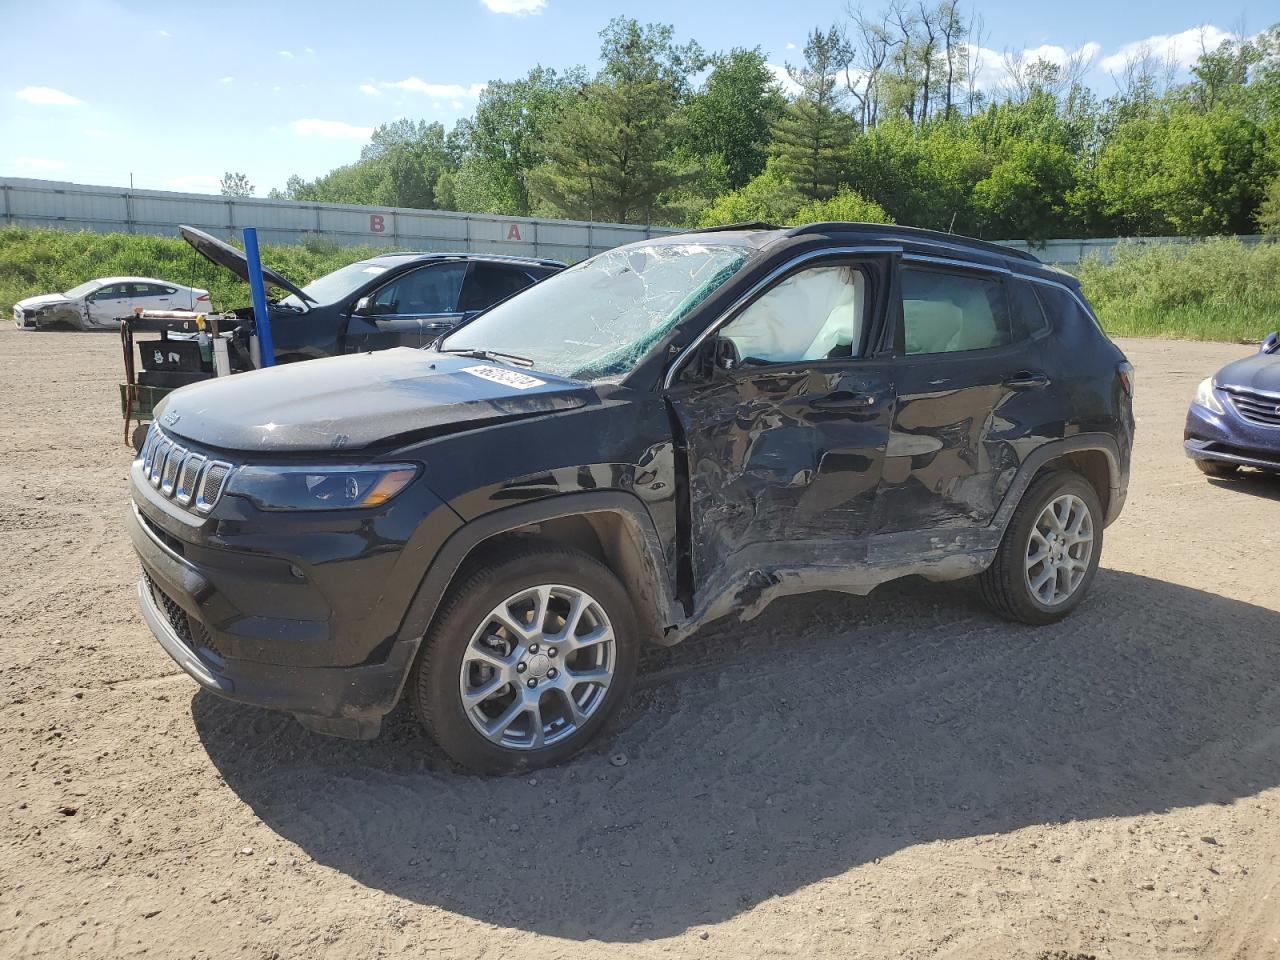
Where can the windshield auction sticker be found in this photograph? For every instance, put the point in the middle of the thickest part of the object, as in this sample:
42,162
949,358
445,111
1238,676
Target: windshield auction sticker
510,378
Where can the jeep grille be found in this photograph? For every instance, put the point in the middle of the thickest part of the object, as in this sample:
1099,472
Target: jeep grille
182,475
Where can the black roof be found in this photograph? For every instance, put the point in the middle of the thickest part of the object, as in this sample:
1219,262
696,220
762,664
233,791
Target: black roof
879,231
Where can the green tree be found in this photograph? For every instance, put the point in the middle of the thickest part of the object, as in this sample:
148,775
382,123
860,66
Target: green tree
730,117
1182,172
921,176
846,206
236,185
506,138
811,137
767,198
609,151
1026,195
1269,211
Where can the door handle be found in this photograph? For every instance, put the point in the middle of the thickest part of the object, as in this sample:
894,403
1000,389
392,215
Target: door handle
844,400
1026,380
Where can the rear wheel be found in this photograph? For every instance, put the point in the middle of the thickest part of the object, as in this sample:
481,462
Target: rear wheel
1216,468
528,660
1050,551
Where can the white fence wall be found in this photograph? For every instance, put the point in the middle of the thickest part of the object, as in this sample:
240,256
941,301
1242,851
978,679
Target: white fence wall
71,206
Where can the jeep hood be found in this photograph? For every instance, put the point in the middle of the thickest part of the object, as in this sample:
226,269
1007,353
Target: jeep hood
1259,372
356,401
225,255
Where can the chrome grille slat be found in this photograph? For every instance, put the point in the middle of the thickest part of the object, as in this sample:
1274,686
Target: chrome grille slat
1259,408
172,464
186,477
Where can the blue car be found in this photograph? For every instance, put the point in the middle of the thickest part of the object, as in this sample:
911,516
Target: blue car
1234,420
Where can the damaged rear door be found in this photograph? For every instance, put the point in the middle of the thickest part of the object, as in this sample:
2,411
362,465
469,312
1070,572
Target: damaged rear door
785,434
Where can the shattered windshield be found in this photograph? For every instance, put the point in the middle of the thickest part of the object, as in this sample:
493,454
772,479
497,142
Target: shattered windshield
336,286
598,319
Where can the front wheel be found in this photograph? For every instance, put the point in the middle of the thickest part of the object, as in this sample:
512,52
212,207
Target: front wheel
528,659
1050,551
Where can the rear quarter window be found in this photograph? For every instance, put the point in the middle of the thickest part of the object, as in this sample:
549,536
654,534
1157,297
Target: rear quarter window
1060,306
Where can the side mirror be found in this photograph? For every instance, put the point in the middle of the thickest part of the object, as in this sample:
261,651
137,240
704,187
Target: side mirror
363,307
1270,342
725,355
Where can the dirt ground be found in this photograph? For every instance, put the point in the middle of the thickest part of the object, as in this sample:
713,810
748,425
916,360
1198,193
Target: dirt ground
898,776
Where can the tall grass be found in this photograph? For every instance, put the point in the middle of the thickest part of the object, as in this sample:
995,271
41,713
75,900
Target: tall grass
51,261
1218,289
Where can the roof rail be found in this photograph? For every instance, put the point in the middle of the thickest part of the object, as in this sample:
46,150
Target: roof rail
748,225
919,234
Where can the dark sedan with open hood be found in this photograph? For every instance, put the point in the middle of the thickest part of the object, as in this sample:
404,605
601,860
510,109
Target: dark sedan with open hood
391,300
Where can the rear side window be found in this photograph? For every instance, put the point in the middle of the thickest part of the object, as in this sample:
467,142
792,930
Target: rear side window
1060,305
952,312
1026,316
488,283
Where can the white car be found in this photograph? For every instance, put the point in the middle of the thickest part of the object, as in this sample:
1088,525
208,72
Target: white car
100,304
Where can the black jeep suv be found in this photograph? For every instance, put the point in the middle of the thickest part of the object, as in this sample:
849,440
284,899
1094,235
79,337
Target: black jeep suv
664,434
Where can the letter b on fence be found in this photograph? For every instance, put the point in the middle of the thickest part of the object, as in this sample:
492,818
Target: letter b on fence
377,224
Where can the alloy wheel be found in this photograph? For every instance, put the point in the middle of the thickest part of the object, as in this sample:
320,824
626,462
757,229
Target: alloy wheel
1059,549
538,667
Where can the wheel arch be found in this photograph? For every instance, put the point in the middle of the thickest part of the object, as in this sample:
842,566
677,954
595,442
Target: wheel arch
612,526
1095,456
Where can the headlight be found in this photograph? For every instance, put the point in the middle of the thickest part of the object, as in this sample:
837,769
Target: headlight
1205,397
320,488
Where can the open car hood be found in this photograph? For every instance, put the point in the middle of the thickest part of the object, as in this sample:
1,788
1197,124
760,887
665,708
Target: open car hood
225,255
359,400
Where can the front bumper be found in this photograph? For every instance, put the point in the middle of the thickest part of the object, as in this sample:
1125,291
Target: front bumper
254,638
1229,438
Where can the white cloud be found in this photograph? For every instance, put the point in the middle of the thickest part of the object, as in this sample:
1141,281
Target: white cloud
790,45
991,67
308,51
47,96
195,183
39,164
516,8
226,79
1060,55
789,86
331,129
1181,48
437,91
287,54
164,33
369,90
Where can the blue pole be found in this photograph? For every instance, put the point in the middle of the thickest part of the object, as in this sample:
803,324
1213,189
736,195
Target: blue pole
261,314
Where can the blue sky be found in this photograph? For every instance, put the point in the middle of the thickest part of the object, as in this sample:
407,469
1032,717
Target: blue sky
177,93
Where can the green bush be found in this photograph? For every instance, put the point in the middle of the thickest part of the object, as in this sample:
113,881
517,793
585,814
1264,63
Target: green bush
52,261
1218,289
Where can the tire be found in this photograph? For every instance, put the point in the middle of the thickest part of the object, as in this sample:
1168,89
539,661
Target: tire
468,648
1006,585
139,436
1216,468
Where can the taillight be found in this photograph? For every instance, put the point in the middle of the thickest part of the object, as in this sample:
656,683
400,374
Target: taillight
203,296
1125,372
